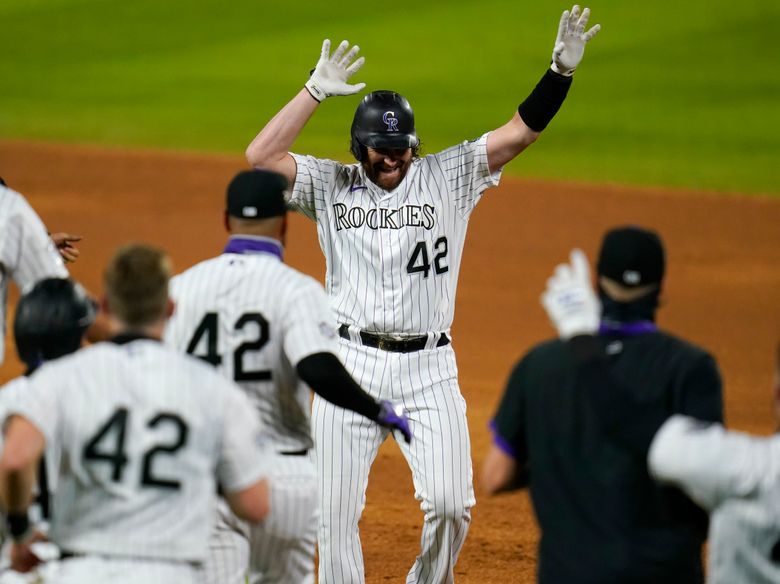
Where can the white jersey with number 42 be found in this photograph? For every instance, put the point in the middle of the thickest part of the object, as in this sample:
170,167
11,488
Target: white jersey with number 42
145,433
393,257
255,318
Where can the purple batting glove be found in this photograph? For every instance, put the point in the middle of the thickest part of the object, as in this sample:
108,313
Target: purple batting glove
393,417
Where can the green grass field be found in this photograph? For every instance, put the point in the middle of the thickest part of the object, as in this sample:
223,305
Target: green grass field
670,93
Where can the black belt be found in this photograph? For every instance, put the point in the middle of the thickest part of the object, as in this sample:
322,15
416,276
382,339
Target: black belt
302,452
404,345
68,555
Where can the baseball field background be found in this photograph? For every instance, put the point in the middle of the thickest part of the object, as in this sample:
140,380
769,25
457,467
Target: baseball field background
124,121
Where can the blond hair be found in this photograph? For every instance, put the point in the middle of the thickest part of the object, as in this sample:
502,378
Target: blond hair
136,284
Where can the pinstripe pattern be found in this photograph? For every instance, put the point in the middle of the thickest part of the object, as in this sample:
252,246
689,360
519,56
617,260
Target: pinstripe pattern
228,555
111,508
300,324
283,548
373,243
736,478
101,570
367,277
425,383
27,254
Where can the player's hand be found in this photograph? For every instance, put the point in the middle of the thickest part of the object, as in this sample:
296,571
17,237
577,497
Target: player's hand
22,557
393,417
570,42
332,71
570,301
64,243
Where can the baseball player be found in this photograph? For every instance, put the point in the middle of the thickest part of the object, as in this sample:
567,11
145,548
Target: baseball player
269,328
50,322
145,434
27,254
392,229
732,475
602,518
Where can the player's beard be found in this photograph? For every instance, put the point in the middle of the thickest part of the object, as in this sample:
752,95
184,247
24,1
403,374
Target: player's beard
377,174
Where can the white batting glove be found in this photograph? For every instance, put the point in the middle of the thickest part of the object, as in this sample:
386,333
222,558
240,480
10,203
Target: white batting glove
570,43
332,71
570,301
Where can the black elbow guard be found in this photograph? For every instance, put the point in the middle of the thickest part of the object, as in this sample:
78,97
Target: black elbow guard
545,100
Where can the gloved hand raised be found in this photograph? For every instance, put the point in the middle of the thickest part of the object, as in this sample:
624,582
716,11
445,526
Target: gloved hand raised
332,71
393,417
570,301
570,43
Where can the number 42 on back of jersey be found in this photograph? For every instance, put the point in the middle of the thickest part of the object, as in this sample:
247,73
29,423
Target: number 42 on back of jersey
208,330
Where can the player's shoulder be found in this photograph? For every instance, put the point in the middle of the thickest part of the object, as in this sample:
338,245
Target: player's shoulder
541,357
298,279
10,198
456,150
13,205
322,165
678,348
550,350
10,391
202,268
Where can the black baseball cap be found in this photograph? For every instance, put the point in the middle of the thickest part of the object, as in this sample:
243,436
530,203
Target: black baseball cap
257,194
632,257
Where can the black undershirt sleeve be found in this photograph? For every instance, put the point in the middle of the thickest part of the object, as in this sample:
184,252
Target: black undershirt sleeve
326,376
627,420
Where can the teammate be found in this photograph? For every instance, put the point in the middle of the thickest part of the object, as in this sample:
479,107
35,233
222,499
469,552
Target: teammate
27,254
269,327
733,475
602,518
392,229
142,432
50,322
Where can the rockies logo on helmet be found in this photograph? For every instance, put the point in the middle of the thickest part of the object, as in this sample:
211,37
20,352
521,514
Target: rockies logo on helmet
392,123
384,119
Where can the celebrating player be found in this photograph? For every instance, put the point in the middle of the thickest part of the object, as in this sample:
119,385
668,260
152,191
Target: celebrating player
392,229
270,329
734,476
50,322
141,431
602,518
27,254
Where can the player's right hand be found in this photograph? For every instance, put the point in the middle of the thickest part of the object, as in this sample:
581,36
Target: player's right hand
394,417
332,71
23,558
570,300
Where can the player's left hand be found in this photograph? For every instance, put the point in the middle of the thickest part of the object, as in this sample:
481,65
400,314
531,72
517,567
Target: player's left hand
394,417
570,300
570,42
64,243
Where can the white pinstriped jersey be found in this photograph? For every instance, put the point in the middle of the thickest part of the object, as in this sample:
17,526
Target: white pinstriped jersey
264,318
736,477
393,257
27,254
145,433
39,511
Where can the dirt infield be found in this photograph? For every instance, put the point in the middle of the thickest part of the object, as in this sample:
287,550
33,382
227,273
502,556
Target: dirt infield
722,292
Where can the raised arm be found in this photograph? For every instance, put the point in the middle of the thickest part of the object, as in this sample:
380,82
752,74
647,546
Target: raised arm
533,115
270,148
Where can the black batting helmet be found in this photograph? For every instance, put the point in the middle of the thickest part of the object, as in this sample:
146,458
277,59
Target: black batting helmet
51,319
384,119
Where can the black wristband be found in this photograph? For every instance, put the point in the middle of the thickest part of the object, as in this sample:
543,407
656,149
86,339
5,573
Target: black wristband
18,525
545,100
